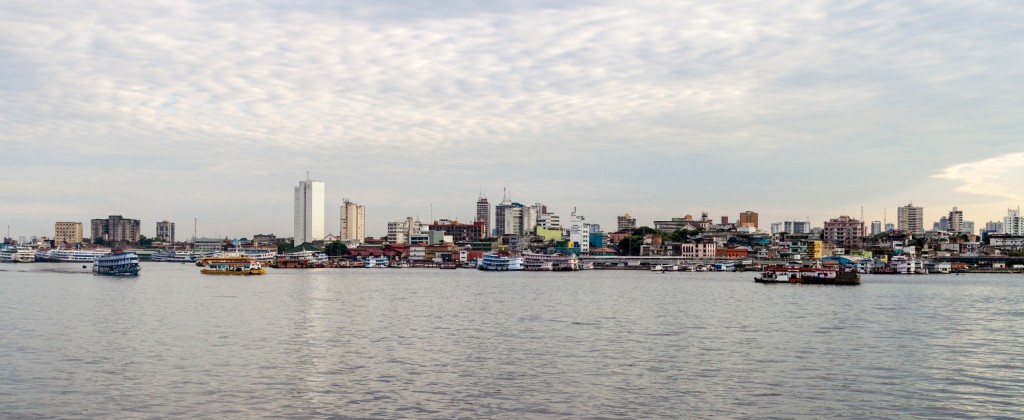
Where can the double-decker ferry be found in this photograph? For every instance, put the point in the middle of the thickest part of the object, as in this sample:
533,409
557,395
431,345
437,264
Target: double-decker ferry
117,264
75,255
551,262
16,254
495,262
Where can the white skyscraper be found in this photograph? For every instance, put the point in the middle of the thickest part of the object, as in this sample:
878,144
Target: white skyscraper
1013,223
309,211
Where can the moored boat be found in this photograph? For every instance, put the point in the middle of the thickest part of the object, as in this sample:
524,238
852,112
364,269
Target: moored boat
550,262
171,255
117,264
17,254
237,266
377,262
495,262
809,275
75,255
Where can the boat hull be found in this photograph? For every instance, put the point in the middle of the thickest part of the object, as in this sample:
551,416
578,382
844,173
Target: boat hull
251,272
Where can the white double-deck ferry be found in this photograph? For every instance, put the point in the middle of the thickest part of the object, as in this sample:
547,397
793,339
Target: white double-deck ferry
117,264
376,262
17,255
495,262
75,255
170,255
551,262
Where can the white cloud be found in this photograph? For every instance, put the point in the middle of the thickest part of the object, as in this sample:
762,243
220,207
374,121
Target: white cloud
999,176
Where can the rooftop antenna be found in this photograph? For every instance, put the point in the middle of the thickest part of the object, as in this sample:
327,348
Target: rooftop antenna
195,230
307,175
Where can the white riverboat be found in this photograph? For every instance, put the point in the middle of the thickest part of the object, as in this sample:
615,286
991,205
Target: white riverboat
551,262
117,264
171,255
75,255
495,262
17,255
377,262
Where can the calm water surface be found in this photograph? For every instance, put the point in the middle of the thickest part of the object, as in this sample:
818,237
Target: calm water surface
462,343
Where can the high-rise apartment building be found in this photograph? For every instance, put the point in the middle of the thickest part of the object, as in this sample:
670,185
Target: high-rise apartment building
165,231
116,230
844,231
67,232
1013,224
626,222
309,211
956,220
910,219
876,227
353,221
748,218
483,213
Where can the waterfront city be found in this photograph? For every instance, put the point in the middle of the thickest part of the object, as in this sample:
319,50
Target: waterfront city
688,243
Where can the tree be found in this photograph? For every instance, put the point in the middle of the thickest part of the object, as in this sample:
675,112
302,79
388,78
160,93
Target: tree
336,248
144,241
630,245
284,246
644,230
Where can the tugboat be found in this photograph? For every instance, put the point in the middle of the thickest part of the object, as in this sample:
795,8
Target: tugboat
117,264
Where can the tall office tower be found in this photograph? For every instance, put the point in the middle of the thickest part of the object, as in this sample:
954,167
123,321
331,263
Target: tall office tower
876,227
1013,224
67,232
165,231
748,218
626,222
483,213
353,221
309,211
910,219
956,220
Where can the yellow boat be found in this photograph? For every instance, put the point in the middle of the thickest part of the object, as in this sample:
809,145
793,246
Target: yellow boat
233,266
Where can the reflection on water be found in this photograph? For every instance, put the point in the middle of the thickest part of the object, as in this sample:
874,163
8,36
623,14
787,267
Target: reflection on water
461,343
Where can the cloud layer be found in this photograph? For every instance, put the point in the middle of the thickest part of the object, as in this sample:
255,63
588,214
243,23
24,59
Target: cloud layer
655,109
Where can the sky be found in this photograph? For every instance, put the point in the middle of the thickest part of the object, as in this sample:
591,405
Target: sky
209,113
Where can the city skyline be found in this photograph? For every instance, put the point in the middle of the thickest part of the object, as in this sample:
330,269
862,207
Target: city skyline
795,111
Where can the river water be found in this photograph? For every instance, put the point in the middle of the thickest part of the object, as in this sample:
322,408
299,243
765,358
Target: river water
434,343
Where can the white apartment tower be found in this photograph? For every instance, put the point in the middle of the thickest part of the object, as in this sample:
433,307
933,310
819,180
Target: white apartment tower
1013,224
309,211
353,224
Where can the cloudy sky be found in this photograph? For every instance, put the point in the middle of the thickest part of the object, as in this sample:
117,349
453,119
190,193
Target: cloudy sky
215,110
